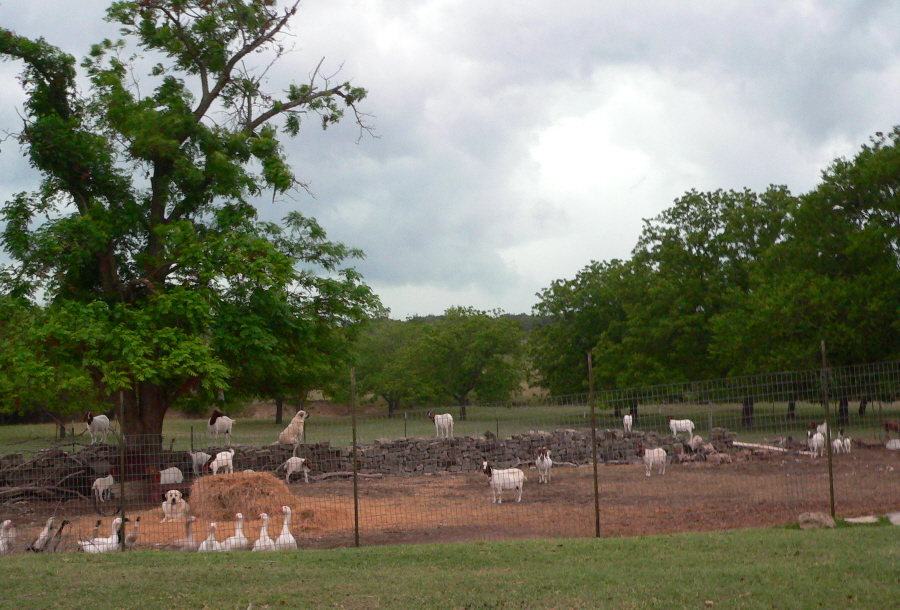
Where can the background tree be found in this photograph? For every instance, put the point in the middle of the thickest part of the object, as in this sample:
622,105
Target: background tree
385,362
575,314
469,353
152,241
835,277
29,381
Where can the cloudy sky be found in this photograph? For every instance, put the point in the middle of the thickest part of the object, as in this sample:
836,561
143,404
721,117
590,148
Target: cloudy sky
518,141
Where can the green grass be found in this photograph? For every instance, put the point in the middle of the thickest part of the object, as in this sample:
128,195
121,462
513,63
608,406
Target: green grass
849,567
770,421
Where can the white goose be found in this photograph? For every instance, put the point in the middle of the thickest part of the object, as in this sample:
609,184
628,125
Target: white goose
265,543
7,537
210,544
104,545
286,539
41,541
239,541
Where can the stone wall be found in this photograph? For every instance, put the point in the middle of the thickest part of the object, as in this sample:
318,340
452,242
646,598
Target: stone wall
465,453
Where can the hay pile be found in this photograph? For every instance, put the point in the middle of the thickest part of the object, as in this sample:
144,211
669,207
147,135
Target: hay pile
219,497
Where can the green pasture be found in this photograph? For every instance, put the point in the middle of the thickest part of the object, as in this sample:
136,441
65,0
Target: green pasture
848,567
770,420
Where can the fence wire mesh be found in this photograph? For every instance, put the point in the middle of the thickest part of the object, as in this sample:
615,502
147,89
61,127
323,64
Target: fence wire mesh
743,461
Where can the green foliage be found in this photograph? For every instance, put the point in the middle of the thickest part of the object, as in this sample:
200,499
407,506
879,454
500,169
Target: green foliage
462,355
732,283
158,276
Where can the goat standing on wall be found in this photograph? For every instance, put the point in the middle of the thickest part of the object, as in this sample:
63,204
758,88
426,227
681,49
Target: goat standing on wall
220,423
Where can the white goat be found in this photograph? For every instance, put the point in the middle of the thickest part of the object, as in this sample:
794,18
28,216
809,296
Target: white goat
223,460
295,464
101,487
168,476
443,424
199,459
820,428
681,425
816,443
293,434
653,456
500,480
842,443
543,463
626,423
695,443
219,423
98,426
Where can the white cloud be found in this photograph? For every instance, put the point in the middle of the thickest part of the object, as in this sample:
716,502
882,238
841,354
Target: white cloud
519,141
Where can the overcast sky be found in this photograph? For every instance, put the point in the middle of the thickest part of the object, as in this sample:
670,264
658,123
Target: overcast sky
518,141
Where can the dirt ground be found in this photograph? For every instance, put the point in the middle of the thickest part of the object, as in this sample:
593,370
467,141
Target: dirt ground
754,492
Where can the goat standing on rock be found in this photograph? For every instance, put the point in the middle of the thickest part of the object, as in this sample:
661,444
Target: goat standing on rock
220,423
443,424
98,426
681,425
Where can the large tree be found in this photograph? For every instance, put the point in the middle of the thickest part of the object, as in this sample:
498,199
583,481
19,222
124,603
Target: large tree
470,353
143,236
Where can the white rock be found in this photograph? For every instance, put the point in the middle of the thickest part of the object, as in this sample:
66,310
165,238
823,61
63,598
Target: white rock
894,518
893,444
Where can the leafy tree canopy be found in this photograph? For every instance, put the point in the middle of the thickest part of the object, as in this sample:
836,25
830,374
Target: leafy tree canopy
143,237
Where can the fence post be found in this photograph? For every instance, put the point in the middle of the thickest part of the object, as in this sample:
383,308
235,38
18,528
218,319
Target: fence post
355,468
405,435
827,429
121,531
594,446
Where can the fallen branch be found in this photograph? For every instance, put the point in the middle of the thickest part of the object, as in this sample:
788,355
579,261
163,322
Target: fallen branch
344,475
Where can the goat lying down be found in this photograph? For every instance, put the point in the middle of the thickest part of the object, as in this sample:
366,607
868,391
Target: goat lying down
501,480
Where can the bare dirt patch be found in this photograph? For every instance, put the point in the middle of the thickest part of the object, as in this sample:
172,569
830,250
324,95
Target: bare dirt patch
756,492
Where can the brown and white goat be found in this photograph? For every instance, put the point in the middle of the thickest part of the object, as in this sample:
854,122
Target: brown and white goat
502,480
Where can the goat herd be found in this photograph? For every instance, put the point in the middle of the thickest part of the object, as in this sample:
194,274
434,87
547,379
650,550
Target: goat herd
174,507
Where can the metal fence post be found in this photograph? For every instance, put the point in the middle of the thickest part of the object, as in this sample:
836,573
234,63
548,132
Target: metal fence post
594,446
827,429
355,466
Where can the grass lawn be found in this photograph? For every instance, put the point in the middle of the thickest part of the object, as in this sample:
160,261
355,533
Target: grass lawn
849,567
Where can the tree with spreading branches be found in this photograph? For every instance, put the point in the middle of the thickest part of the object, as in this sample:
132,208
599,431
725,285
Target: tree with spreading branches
142,242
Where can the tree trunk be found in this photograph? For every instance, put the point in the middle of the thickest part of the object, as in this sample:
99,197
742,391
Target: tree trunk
863,403
462,409
144,407
279,410
393,405
747,413
843,411
617,411
634,410
792,409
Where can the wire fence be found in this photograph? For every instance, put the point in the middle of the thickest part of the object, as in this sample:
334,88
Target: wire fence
706,455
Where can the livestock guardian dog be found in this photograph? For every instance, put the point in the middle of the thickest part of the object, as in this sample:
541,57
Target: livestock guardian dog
174,507
293,434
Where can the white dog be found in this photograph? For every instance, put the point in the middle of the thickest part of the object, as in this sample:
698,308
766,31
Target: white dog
174,507
293,434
